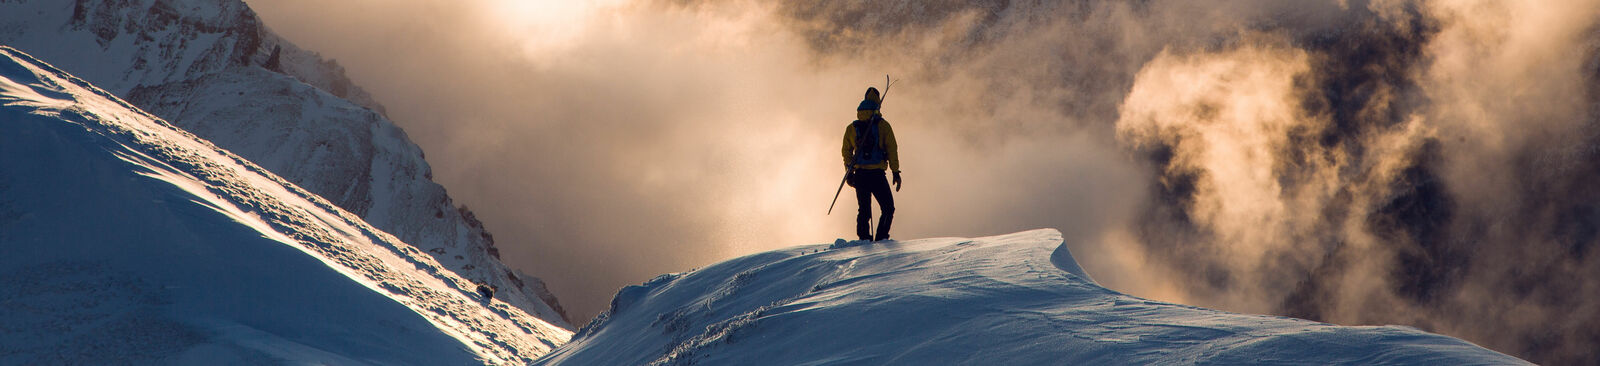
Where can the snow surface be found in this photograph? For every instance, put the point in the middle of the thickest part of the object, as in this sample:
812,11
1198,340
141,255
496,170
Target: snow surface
200,64
124,239
348,155
1018,299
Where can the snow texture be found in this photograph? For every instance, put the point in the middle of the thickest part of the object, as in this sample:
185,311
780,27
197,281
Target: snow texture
212,68
126,240
1018,299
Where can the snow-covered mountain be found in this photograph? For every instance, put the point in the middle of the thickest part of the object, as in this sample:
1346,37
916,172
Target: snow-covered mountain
125,239
212,68
1018,299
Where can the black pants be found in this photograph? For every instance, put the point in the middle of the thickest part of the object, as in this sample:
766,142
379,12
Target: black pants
869,183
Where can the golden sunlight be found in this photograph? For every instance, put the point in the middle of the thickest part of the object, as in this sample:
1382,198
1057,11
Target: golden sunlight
549,23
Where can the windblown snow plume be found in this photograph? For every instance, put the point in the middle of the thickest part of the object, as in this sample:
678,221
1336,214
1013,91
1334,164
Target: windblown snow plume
1361,162
1418,166
1365,163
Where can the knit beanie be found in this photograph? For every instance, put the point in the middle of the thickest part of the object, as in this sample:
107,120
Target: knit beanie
867,105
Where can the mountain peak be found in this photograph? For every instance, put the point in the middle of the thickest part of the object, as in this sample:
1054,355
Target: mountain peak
203,65
144,243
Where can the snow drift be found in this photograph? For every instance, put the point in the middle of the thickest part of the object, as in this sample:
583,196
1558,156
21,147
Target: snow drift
126,239
1018,299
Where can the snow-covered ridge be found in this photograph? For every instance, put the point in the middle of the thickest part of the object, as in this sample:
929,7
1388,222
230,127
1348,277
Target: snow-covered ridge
213,68
127,239
1018,299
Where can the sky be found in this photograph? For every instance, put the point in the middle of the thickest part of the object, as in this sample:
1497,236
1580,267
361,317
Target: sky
1358,162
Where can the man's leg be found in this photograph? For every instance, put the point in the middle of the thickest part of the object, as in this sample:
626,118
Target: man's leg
860,182
886,203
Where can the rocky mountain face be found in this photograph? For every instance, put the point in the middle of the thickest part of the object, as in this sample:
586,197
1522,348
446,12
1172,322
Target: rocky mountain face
213,68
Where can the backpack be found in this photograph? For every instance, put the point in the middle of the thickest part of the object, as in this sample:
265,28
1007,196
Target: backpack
868,154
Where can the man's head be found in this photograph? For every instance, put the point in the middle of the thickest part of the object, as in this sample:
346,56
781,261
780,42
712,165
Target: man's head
869,106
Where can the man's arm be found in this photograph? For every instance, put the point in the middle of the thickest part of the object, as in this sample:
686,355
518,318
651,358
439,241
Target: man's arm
891,147
849,145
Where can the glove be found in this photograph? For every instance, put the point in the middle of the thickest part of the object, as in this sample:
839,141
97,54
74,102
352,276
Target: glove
896,181
850,178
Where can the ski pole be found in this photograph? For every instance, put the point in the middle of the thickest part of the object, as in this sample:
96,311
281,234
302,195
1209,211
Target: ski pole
836,193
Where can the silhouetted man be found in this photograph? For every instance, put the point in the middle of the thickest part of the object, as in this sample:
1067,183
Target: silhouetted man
869,148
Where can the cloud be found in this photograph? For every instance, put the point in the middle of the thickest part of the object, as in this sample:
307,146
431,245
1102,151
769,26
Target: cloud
661,137
1382,162
1395,171
1363,162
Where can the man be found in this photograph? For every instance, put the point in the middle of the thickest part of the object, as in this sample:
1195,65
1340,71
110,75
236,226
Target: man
869,148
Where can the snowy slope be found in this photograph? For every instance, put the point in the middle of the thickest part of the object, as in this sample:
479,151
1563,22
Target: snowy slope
124,239
1018,299
212,68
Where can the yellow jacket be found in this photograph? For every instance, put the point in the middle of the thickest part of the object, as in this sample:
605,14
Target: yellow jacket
885,134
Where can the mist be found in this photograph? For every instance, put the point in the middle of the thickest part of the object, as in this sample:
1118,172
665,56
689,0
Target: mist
1356,162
